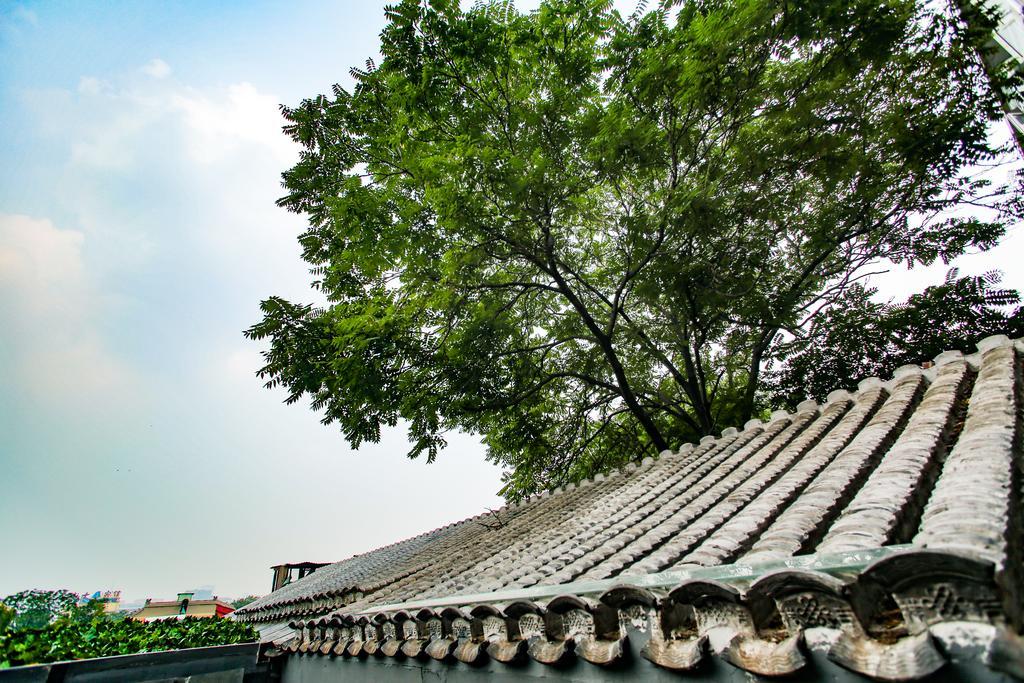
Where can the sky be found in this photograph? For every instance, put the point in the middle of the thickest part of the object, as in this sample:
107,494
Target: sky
140,158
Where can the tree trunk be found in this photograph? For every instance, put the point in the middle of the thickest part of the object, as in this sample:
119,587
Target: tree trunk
754,378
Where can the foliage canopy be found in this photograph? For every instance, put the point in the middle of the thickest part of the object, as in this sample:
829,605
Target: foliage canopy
580,235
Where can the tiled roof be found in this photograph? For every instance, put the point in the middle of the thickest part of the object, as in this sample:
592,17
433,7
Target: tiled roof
880,517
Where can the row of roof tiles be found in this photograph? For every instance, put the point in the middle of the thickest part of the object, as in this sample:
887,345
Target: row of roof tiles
930,458
765,628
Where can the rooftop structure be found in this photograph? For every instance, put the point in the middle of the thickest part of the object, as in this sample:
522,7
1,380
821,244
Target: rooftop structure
880,532
286,573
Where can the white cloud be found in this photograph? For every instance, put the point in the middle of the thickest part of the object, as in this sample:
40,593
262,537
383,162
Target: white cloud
108,127
242,115
154,169
50,305
40,263
108,147
156,68
90,85
104,127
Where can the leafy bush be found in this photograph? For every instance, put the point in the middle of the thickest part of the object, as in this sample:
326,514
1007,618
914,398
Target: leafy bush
68,638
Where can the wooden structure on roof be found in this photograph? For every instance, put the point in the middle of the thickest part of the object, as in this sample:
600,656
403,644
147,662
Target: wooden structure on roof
286,573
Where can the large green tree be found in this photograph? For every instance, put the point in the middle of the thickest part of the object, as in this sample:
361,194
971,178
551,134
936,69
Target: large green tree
578,235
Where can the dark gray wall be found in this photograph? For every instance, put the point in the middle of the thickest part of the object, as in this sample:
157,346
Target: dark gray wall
320,669
221,664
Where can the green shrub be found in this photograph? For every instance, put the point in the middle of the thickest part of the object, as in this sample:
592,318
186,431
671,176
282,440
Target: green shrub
67,638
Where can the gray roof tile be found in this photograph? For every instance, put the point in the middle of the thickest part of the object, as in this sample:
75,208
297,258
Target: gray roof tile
857,475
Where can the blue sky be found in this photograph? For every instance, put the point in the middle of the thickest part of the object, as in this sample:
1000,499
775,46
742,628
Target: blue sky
140,155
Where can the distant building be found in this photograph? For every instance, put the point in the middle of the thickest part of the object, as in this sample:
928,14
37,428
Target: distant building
286,573
111,600
184,606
